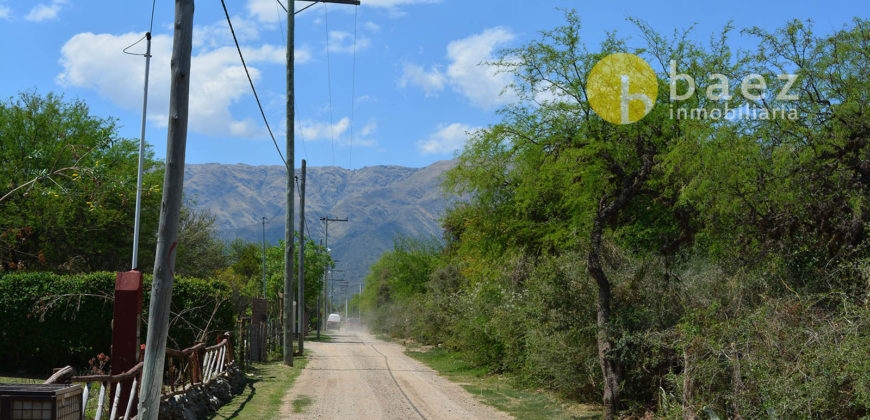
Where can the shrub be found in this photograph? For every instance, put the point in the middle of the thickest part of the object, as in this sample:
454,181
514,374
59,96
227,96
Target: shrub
787,358
49,320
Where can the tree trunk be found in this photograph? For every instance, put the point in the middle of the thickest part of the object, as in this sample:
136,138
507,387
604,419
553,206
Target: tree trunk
609,367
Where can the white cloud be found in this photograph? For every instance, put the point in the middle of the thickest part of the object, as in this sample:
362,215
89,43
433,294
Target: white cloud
217,79
339,132
431,81
470,75
372,27
343,42
311,130
447,139
395,3
267,11
468,72
42,11
218,33
366,98
5,12
393,7
369,128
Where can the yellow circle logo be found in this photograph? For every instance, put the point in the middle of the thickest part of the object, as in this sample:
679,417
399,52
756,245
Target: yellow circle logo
622,88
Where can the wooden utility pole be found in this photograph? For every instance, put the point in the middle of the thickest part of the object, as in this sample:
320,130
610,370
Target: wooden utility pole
167,232
301,277
289,313
264,257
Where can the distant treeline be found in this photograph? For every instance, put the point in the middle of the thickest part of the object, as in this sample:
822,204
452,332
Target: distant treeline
671,267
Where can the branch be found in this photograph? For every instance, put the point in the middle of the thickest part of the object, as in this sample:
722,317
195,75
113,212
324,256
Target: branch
32,181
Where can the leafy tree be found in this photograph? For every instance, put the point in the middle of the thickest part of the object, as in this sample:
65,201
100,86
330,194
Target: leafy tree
200,251
715,265
792,195
553,176
68,188
246,259
245,272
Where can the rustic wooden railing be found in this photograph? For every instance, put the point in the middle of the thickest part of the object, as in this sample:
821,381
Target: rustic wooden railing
183,369
106,382
197,364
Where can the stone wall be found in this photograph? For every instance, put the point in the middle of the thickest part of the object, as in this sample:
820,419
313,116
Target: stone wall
200,401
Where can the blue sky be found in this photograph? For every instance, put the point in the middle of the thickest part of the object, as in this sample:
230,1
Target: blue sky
418,85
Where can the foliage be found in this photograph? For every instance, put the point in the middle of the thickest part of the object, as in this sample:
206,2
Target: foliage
245,273
68,188
701,266
263,396
786,358
501,391
200,251
49,320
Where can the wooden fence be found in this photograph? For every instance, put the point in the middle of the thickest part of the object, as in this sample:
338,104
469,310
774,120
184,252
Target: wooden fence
182,370
259,339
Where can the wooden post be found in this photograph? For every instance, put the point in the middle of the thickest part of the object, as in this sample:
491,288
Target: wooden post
167,232
300,305
241,343
289,315
127,309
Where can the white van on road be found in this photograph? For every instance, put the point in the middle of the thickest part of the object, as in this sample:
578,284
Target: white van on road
333,321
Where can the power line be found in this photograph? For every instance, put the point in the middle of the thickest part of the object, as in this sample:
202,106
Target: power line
329,83
150,29
251,82
153,5
352,90
297,11
134,44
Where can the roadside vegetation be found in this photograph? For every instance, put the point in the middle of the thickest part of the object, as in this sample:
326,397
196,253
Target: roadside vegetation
264,393
501,391
67,203
671,267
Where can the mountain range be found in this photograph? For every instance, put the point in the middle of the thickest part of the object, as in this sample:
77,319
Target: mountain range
380,203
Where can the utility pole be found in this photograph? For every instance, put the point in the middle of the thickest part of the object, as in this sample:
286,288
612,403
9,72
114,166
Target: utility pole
167,233
264,257
333,282
137,217
340,284
320,298
289,313
326,221
301,277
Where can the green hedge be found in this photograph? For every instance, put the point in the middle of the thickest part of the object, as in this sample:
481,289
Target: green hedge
41,329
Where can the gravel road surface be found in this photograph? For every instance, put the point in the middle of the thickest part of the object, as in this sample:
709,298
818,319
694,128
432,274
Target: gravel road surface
356,376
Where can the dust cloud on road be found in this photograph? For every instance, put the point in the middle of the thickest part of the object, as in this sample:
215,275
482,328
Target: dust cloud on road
356,376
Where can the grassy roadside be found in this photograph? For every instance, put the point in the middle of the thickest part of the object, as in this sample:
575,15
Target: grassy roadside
20,380
499,391
263,395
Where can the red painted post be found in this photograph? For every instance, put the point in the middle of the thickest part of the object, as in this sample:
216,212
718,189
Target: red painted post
125,329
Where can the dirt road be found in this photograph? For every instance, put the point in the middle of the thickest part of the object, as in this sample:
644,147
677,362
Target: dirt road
356,376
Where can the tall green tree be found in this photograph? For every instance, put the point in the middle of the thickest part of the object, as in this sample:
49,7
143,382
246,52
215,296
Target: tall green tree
791,194
68,188
200,250
554,177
